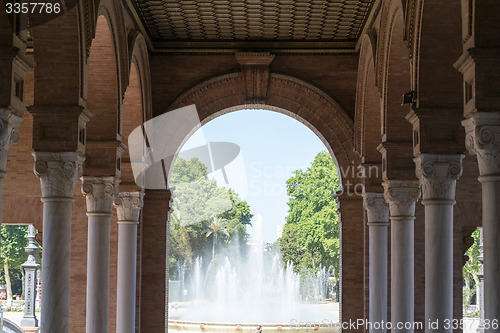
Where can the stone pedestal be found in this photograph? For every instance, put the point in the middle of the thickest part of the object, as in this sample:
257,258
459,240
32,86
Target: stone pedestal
438,175
99,193
377,211
30,278
402,196
128,206
483,139
31,329
58,173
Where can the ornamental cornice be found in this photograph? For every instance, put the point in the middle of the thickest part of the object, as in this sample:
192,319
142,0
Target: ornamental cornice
438,175
482,138
377,209
99,194
128,206
58,173
401,196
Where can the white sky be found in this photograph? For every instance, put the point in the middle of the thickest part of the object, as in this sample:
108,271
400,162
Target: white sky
272,146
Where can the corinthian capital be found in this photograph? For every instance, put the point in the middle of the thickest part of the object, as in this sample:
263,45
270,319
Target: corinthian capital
9,135
482,138
438,175
99,192
401,196
128,206
58,173
376,207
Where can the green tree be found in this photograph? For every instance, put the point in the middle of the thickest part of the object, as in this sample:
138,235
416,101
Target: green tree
311,233
14,240
197,201
217,226
470,269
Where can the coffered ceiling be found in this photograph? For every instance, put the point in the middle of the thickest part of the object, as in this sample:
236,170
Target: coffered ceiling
236,25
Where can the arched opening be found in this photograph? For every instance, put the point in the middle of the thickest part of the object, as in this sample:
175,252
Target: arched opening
371,120
133,117
221,95
398,82
439,46
368,133
235,279
103,134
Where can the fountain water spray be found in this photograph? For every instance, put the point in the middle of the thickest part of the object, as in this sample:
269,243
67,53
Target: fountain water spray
253,287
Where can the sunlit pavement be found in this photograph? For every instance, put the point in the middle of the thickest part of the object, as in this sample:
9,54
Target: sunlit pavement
469,324
16,317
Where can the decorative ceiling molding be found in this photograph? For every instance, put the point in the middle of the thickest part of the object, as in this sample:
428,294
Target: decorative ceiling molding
255,72
186,26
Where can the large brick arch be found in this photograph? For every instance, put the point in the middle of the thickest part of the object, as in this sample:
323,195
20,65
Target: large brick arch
113,11
137,106
368,114
102,96
434,37
285,94
139,57
393,73
326,118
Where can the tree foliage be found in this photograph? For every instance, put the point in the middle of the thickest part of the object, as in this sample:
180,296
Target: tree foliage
311,233
216,227
198,202
14,240
470,270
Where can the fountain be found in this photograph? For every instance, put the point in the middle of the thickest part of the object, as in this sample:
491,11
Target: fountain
241,291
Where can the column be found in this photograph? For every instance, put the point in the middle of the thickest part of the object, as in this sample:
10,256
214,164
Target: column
483,139
128,206
438,175
154,268
30,269
377,211
402,196
352,259
58,173
98,193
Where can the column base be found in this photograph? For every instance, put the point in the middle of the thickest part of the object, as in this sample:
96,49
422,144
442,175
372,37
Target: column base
29,322
30,329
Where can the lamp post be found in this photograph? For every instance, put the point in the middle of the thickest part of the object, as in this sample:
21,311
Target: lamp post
30,270
480,275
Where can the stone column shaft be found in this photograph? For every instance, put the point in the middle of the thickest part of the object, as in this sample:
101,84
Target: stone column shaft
491,248
58,173
128,206
438,175
402,196
483,139
378,220
98,192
